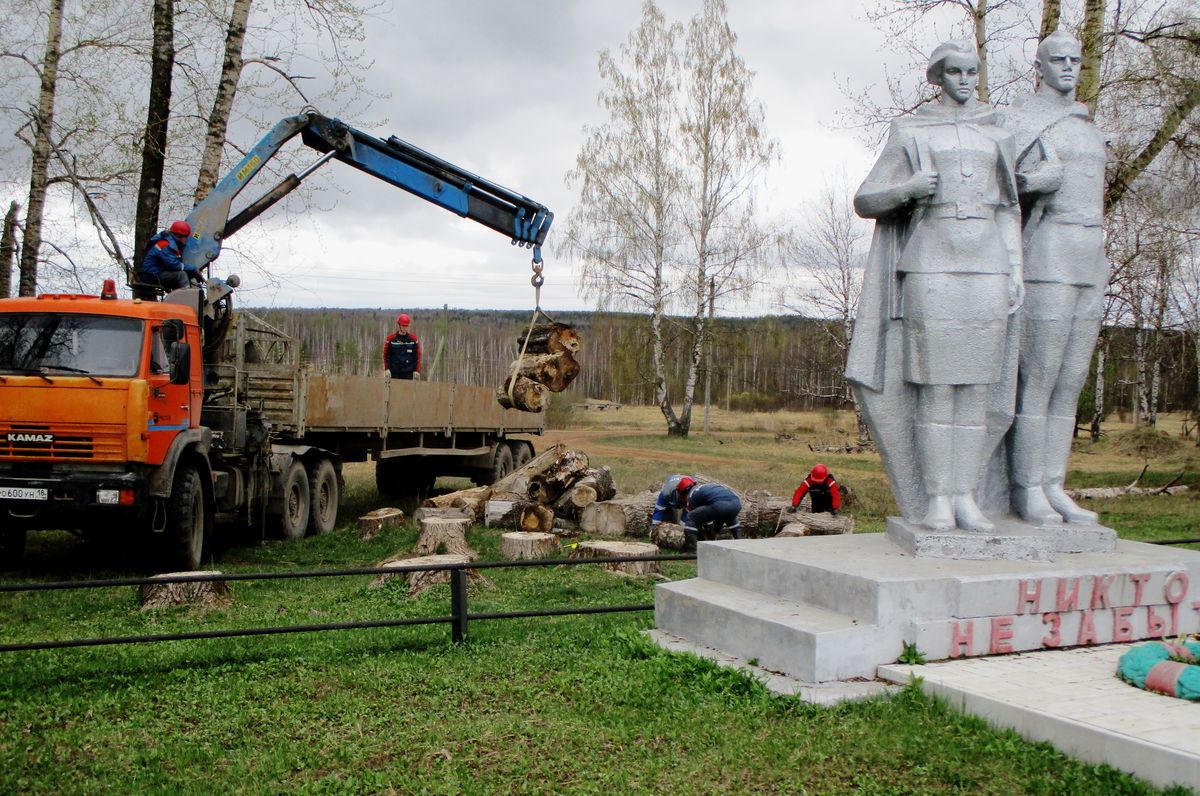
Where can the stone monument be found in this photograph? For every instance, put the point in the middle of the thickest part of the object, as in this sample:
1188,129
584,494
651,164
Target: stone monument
980,304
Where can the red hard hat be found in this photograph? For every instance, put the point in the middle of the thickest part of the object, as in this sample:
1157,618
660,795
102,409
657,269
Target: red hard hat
404,320
181,228
819,471
686,483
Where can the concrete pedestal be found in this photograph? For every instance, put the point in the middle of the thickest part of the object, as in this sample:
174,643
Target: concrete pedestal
836,607
1012,540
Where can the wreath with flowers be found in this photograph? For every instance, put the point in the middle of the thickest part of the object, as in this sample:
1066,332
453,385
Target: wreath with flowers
1164,667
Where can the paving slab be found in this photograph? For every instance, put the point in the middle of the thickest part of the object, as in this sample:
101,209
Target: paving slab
1073,700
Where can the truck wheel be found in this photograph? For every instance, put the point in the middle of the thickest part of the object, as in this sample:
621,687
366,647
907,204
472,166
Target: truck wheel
522,453
502,463
12,547
184,535
293,516
325,496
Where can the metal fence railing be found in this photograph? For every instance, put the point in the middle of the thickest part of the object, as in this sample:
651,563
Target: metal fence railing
458,618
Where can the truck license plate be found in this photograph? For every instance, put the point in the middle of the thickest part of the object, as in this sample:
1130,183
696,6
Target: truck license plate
22,493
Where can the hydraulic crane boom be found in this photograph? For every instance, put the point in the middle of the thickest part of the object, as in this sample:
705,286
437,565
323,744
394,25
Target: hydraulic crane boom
523,220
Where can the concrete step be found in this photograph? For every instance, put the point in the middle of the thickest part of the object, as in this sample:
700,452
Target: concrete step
809,642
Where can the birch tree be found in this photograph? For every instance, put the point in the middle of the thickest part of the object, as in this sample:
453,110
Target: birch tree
666,213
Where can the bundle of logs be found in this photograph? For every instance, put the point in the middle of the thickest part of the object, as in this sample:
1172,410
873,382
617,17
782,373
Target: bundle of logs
548,494
546,364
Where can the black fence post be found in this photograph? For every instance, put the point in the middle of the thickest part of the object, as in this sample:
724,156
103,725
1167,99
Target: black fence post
458,605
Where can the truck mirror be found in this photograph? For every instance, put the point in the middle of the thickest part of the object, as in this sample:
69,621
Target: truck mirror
181,363
172,330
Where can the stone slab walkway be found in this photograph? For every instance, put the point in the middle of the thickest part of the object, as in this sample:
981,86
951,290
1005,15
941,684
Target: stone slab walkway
1073,700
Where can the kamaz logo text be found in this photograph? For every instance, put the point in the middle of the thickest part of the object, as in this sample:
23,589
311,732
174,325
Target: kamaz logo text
17,437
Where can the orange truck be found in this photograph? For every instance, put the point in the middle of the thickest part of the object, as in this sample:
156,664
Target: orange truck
155,417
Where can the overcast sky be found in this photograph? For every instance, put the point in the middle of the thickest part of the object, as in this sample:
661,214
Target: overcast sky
505,90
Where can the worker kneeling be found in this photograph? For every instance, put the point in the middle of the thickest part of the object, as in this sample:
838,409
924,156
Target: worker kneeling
711,508
822,489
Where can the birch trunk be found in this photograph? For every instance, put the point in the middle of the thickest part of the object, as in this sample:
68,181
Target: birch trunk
1088,88
1098,388
8,249
1051,13
218,119
43,122
158,116
979,13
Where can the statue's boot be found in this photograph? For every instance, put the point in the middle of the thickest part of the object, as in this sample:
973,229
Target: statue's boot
935,446
1027,459
1059,433
968,463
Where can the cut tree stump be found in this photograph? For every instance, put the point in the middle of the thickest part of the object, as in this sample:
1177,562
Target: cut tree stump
444,535
549,338
452,512
668,535
420,580
205,593
817,525
527,395
623,516
516,545
536,518
371,523
607,549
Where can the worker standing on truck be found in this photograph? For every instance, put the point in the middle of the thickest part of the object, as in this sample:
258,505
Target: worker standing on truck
402,351
822,489
164,260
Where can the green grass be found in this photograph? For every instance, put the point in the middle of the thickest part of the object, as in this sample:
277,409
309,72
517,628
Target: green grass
579,704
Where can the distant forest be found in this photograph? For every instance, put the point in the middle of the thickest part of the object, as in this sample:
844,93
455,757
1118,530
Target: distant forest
765,363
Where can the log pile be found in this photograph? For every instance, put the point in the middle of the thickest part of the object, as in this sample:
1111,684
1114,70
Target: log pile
547,364
630,515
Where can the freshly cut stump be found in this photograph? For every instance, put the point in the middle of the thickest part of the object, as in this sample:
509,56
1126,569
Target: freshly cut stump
204,593
423,512
516,545
420,580
817,525
607,549
444,535
373,522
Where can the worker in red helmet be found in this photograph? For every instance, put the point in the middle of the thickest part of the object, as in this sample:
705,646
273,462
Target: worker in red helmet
163,263
822,489
402,351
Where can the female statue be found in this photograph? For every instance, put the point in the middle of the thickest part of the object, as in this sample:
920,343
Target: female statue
933,352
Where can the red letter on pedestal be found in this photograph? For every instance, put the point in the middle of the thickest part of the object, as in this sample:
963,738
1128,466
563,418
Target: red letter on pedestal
958,639
1156,626
1139,585
1067,602
1054,637
1100,584
1122,627
1087,628
1028,597
1001,633
1172,595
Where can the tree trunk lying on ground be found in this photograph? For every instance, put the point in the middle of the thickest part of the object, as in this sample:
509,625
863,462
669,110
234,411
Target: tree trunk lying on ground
1094,493
516,545
623,516
536,518
608,549
503,509
471,500
668,535
444,535
373,522
574,501
204,593
549,338
420,580
803,524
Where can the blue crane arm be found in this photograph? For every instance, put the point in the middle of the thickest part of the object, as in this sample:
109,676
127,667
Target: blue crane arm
394,161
